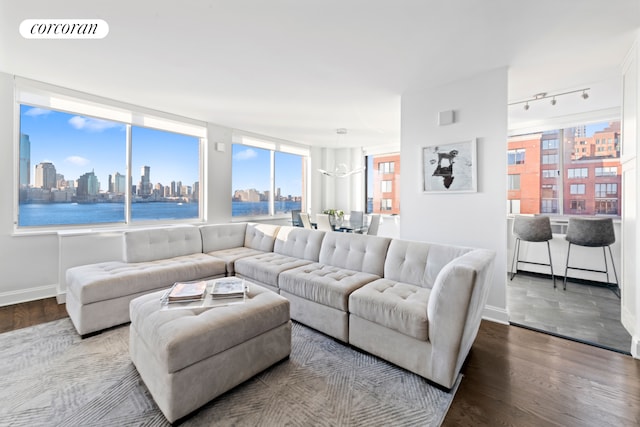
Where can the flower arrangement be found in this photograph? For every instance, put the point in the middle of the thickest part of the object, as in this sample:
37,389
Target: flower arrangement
336,213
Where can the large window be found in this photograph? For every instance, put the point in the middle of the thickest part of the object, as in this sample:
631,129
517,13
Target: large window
73,170
383,183
267,181
574,170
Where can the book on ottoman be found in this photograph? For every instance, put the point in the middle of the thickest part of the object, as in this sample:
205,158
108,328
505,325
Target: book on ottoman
229,287
187,291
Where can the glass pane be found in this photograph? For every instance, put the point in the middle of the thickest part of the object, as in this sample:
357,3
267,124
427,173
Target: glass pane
66,161
250,180
592,162
533,158
165,175
383,184
288,182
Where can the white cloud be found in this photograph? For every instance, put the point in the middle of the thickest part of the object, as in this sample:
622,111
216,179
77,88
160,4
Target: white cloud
247,154
91,125
77,160
35,112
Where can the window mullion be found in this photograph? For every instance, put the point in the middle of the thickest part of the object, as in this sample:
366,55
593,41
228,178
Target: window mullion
128,178
272,182
561,172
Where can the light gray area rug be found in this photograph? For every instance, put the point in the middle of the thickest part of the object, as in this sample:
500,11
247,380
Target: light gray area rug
51,377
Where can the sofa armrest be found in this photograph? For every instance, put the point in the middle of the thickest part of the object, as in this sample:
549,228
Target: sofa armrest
455,311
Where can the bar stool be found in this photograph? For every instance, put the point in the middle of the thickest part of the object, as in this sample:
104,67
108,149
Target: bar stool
594,233
531,229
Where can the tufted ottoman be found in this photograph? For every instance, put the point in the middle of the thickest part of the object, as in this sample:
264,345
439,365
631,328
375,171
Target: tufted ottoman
187,357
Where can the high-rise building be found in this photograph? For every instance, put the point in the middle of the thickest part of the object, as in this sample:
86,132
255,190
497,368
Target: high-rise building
119,183
45,176
25,160
173,189
196,190
88,186
144,187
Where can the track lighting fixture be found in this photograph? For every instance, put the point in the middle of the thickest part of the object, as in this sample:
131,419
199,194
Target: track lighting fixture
544,95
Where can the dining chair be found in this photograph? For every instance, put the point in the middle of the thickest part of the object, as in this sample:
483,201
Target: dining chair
295,218
304,219
373,225
356,221
323,222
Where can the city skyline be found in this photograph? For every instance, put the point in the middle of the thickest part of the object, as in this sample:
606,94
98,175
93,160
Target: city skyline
77,145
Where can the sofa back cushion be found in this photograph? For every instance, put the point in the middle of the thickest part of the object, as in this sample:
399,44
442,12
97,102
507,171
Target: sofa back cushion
260,236
216,237
418,263
161,243
299,242
352,251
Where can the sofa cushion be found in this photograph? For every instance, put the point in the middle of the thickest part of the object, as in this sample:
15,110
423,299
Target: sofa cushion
217,237
299,242
324,284
161,243
399,306
108,280
418,263
230,256
260,236
356,252
265,267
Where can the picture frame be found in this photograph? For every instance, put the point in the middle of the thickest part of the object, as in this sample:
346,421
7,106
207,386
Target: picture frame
450,167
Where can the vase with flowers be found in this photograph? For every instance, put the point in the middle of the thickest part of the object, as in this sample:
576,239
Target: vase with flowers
336,216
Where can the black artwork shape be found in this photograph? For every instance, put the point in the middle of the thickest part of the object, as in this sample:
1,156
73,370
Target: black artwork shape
446,172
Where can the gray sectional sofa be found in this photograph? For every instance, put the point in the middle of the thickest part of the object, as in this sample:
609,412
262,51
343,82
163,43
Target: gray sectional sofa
417,305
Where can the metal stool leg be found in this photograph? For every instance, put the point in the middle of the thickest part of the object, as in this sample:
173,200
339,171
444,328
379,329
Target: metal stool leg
613,264
516,255
553,276
566,268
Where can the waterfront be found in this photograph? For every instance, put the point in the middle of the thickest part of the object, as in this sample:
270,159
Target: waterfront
44,214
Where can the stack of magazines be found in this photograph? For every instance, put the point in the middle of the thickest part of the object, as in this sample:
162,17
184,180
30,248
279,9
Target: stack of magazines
228,288
187,291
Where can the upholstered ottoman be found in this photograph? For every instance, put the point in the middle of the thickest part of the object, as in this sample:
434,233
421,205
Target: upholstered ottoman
187,357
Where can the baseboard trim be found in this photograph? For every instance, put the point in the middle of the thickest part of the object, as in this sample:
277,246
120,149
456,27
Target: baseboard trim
495,314
635,347
26,295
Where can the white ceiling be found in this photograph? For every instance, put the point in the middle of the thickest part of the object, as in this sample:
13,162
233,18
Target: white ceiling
300,69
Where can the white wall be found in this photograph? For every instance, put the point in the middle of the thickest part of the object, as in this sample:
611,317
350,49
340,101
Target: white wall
32,264
471,219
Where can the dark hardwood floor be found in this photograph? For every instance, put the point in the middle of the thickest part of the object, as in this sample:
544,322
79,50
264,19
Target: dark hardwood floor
512,377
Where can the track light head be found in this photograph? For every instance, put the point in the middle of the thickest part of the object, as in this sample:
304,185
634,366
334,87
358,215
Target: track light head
585,95
526,106
553,101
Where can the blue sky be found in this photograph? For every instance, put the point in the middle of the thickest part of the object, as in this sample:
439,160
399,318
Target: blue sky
77,144
251,170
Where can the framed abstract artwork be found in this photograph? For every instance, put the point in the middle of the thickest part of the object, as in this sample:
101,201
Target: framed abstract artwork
450,168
